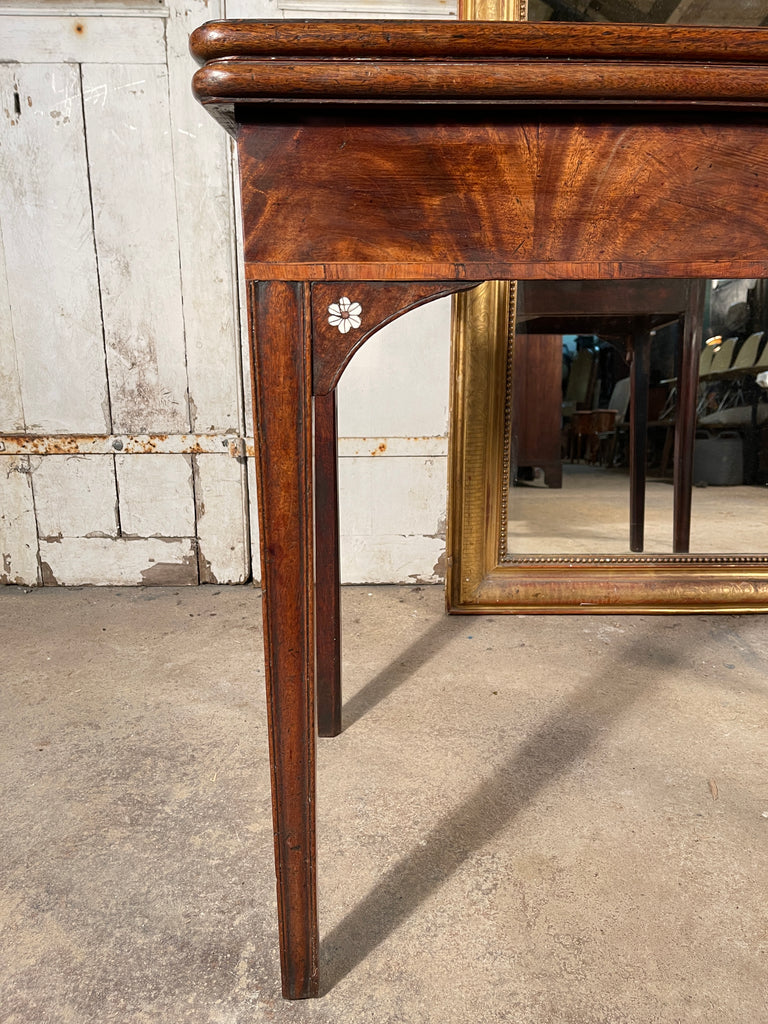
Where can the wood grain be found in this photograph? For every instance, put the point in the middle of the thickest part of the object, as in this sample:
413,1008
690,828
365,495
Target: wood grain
138,256
475,41
503,270
518,80
327,567
52,277
604,198
382,303
279,318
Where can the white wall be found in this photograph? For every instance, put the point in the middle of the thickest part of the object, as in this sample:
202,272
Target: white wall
121,351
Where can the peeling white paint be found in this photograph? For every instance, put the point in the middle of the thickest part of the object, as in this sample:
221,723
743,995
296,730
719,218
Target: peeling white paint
158,175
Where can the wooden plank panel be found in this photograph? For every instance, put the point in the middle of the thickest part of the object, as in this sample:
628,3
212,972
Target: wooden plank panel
393,514
205,217
134,205
360,9
50,260
156,495
253,518
18,529
75,496
392,558
216,351
79,561
11,408
31,39
221,530
380,391
245,355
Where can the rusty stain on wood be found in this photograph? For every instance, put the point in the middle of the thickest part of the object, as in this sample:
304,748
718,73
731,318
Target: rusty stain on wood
125,444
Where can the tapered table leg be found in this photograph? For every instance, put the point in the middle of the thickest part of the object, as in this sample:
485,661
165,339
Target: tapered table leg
280,340
327,567
638,438
685,432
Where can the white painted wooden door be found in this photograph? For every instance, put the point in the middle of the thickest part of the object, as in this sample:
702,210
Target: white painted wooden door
120,360
123,416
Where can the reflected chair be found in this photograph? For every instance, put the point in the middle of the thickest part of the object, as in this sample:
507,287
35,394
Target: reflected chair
746,360
740,406
743,370
601,439
707,355
581,383
715,399
577,402
608,425
722,357
760,364
579,431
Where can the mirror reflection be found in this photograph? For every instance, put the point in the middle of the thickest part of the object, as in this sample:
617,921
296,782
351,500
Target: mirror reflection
671,12
638,418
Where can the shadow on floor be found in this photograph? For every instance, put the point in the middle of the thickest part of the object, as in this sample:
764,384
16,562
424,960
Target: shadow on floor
396,673
564,739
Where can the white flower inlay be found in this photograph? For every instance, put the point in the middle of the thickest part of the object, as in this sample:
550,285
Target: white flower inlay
344,314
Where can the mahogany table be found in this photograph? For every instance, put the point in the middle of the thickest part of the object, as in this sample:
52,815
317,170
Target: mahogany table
385,163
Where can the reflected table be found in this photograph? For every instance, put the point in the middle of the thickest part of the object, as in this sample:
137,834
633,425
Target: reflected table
631,311
384,164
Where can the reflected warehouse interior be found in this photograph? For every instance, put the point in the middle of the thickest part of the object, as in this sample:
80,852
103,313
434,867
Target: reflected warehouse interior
595,409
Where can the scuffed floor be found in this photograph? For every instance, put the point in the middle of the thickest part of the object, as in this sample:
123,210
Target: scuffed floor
536,820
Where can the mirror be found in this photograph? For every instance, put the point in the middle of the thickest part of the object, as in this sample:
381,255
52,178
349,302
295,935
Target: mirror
556,508
593,386
501,559
671,12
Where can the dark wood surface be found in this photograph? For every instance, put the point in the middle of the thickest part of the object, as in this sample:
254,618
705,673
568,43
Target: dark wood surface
279,316
532,198
638,436
685,431
529,146
381,304
476,42
662,300
537,392
444,61
327,567
449,152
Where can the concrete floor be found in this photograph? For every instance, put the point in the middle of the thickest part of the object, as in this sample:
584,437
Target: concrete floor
527,820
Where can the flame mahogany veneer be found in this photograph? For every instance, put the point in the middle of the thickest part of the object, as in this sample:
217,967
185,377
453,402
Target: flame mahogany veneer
389,162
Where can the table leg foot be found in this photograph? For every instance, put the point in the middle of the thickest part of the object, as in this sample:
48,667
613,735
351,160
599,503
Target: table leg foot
280,341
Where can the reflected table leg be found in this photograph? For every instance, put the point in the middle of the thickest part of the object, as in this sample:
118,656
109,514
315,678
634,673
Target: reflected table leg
685,431
638,438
